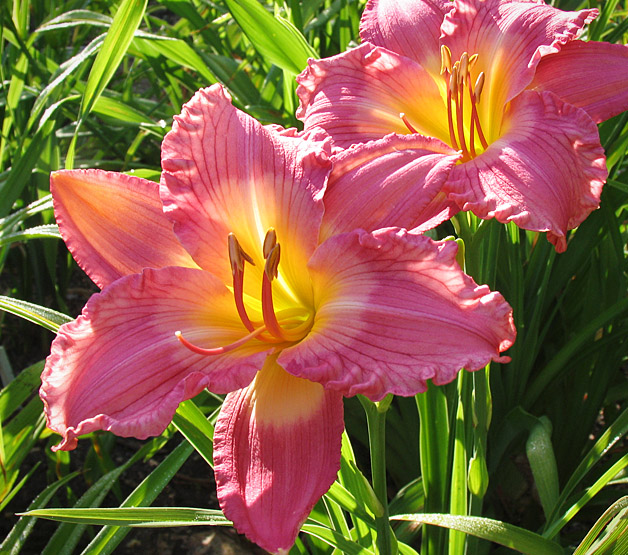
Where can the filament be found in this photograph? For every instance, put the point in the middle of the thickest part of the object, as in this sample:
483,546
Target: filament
458,80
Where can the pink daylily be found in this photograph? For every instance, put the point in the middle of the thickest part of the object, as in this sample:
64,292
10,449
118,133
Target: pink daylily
202,295
505,83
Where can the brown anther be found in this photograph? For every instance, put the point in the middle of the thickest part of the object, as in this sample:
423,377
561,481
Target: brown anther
272,262
479,85
445,59
472,60
270,240
464,67
453,80
237,256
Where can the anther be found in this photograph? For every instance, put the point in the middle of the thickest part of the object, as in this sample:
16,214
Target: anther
464,67
270,240
445,59
479,85
472,60
237,256
272,262
453,81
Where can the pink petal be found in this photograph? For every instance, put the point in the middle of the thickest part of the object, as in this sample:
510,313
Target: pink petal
276,452
224,172
393,181
359,95
510,38
590,75
545,173
394,310
113,224
408,27
119,366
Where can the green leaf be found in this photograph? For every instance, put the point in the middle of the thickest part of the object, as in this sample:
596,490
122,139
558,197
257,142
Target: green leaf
434,449
67,68
143,495
335,539
542,460
20,173
558,364
143,517
14,541
17,217
191,422
75,17
343,497
616,511
49,231
354,481
119,37
496,531
67,535
19,390
125,23
275,38
615,432
587,496
179,52
124,114
45,317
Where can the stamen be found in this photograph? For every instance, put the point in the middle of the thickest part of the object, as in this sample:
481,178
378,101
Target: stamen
477,91
456,70
458,80
237,256
408,124
479,86
472,60
268,309
445,59
218,350
459,99
270,240
272,262
464,67
450,120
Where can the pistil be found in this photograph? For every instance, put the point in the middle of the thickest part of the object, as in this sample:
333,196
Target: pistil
407,122
218,350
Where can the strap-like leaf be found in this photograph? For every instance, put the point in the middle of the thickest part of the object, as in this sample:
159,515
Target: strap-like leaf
273,37
144,517
45,317
496,531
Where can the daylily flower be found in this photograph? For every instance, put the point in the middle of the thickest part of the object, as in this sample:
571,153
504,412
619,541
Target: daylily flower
239,290
506,83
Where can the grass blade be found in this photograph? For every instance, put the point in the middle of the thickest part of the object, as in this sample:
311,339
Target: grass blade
496,531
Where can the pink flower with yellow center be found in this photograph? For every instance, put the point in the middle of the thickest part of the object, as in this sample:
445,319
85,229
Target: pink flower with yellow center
505,83
227,277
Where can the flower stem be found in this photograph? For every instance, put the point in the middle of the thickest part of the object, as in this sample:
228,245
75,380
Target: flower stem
434,454
376,420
